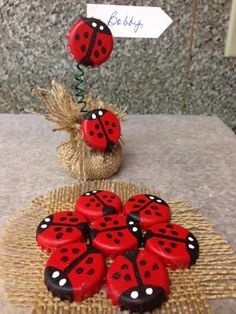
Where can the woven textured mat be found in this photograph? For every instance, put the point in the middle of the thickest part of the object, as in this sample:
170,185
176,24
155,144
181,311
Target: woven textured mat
21,261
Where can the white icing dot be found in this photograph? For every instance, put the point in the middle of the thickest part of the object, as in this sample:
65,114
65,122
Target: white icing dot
190,239
87,193
159,201
149,291
100,113
151,197
55,274
47,219
94,24
131,223
94,191
134,229
44,226
62,282
191,246
101,27
94,116
134,294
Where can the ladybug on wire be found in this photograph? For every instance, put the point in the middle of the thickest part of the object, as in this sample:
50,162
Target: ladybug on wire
90,42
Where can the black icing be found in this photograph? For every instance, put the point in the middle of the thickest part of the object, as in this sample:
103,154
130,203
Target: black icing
194,253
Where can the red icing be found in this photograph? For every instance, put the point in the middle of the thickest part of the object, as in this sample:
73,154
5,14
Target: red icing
113,234
98,203
88,44
101,129
61,228
147,209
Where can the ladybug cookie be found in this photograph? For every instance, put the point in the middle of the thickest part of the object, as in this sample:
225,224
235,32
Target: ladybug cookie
75,272
90,41
175,245
101,129
95,204
114,234
137,281
61,228
147,209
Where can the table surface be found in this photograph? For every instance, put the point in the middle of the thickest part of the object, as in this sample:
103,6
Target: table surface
191,158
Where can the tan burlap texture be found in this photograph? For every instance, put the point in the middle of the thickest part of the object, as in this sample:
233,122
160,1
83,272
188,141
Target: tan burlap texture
75,156
22,262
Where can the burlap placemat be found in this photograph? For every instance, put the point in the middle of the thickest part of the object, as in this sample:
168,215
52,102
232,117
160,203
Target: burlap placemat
21,261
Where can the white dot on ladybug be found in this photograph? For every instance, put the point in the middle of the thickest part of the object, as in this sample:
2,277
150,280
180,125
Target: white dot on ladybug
131,223
134,229
94,116
151,197
94,24
62,282
87,193
159,201
134,294
94,191
47,219
55,274
100,113
190,239
149,291
44,226
101,27
191,246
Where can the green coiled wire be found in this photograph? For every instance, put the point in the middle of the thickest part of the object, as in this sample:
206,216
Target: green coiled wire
79,91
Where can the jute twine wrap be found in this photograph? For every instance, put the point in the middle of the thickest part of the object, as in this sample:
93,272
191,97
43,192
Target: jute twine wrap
75,156
22,262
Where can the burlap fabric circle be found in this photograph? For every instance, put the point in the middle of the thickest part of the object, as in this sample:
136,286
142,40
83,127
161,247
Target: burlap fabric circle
77,158
21,261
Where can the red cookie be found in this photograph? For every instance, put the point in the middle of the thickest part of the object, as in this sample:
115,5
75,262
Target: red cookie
137,281
147,209
115,234
75,272
61,228
90,41
175,245
95,204
101,129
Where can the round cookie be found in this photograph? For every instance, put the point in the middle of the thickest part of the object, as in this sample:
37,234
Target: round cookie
115,234
137,281
147,209
61,228
90,41
101,129
175,245
75,272
95,204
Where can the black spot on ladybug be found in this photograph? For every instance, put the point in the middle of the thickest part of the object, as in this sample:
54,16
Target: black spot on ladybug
69,229
147,212
116,276
162,230
174,233
115,222
142,262
69,214
104,50
168,250
141,201
63,218
74,219
97,126
154,207
99,42
83,48
136,206
100,135
86,34
64,250
161,242
79,270
110,131
96,54
57,229
91,271
77,37
64,259
109,236
124,266
109,201
104,196
147,274
157,214
107,218
59,235
173,244
91,133
107,122
87,204
75,250
169,226
114,125
113,197
127,277
89,260
120,234
93,200
98,205
103,224
155,267
117,241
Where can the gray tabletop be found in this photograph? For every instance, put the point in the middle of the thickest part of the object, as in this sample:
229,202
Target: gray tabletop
191,158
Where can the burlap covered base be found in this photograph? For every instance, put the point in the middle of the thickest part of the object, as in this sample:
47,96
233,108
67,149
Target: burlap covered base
22,262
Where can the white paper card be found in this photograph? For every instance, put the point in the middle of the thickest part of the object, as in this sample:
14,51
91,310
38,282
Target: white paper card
131,21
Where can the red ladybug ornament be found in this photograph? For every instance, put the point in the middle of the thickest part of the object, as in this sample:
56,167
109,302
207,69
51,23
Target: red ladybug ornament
95,204
75,272
137,281
147,209
90,41
101,129
61,228
175,245
115,234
